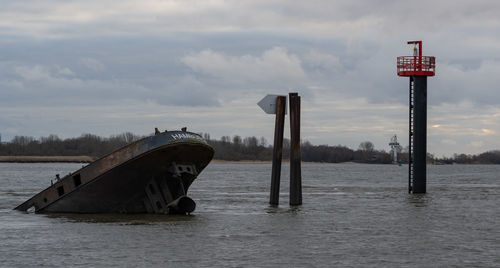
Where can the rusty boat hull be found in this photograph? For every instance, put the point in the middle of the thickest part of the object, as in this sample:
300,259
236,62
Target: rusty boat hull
151,175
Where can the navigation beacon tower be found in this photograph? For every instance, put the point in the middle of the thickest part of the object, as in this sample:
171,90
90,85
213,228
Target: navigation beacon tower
417,68
395,148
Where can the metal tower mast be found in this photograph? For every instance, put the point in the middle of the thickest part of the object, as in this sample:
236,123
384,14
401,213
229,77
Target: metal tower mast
417,68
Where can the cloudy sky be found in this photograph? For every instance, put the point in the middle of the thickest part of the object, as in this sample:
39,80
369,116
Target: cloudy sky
106,67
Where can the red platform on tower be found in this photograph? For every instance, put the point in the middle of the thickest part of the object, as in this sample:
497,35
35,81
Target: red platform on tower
416,64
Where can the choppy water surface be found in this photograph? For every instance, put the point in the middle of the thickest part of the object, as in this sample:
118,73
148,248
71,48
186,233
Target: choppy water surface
353,216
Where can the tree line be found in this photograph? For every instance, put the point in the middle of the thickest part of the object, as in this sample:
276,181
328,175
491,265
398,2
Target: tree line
52,145
234,148
253,148
489,157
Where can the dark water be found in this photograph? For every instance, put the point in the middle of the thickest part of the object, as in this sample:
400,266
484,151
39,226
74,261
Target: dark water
353,216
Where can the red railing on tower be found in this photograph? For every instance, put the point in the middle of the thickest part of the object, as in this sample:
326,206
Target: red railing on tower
416,64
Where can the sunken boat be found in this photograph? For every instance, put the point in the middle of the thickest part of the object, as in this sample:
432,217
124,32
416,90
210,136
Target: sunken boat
151,175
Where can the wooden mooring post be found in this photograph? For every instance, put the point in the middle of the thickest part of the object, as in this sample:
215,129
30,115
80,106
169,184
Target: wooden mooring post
275,104
277,150
295,156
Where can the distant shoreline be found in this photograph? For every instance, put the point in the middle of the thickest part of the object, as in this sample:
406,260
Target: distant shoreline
88,159
46,159
283,161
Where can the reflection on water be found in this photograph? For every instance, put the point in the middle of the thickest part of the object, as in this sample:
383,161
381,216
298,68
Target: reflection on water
352,216
132,219
277,209
419,200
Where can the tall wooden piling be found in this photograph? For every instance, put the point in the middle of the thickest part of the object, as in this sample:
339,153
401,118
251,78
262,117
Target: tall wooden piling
277,150
295,156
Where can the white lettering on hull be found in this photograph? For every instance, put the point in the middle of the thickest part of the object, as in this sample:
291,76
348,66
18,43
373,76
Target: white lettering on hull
186,136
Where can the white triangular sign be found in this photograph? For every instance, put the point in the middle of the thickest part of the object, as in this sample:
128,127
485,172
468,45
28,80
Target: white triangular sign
268,104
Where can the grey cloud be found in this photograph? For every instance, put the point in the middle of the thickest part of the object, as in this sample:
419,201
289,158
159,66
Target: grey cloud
125,68
92,64
321,19
186,90
454,84
322,62
273,65
54,86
